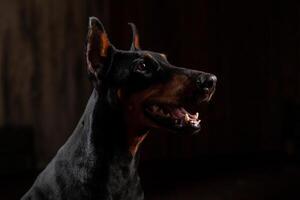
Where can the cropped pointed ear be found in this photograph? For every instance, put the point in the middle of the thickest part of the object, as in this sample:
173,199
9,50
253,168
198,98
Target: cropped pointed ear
135,44
98,51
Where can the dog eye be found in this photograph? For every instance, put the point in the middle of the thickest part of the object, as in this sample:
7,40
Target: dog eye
141,67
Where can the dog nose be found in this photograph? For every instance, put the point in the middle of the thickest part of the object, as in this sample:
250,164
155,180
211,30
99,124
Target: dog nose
206,82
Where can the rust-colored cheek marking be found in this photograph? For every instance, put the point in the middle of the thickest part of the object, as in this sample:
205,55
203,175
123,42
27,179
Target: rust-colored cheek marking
178,82
133,104
170,92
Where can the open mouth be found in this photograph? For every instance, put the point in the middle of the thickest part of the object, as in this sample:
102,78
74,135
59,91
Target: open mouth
173,117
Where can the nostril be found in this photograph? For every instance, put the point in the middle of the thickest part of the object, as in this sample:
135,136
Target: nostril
210,82
207,82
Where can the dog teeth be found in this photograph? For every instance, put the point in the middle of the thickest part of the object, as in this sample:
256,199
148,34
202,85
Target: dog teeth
178,122
193,119
155,108
186,117
195,116
195,122
160,111
182,116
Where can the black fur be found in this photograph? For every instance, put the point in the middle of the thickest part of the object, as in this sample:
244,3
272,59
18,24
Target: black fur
93,163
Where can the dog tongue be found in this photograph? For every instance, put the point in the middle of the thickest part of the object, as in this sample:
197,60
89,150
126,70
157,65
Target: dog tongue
180,113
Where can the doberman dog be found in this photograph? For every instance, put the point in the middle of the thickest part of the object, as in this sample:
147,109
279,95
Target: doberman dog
135,91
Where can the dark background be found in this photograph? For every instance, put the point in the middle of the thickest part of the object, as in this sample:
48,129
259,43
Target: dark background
250,144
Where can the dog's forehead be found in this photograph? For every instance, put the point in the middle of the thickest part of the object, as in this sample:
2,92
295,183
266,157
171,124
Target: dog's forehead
144,53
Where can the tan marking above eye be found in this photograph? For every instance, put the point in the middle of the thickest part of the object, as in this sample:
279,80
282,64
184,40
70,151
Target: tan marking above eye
149,55
119,93
163,55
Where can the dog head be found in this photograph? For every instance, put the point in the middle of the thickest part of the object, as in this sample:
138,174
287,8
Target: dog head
145,88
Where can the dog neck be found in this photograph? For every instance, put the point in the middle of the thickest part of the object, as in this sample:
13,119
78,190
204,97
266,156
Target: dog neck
108,130
106,148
